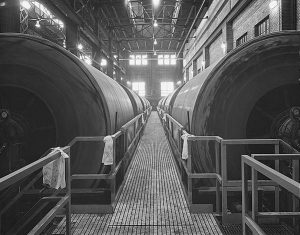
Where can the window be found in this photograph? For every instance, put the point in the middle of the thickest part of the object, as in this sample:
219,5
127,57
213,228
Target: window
263,27
138,60
166,88
131,60
139,87
160,59
241,40
144,60
166,59
200,64
173,59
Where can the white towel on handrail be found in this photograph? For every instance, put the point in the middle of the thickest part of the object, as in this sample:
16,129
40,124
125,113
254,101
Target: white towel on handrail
108,157
54,172
185,152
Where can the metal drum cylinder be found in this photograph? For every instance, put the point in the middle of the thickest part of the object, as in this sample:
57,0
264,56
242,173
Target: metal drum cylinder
52,97
242,96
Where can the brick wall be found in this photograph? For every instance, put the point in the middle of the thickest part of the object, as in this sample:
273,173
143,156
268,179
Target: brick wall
246,15
253,14
215,50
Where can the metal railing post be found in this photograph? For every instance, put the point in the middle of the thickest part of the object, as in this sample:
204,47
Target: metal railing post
217,153
244,194
113,167
295,200
189,167
224,178
68,205
276,150
254,194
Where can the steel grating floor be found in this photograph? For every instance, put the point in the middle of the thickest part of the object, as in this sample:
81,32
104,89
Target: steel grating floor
272,229
152,200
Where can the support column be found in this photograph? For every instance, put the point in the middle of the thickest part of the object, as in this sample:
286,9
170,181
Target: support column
72,37
118,71
96,56
298,15
110,63
10,16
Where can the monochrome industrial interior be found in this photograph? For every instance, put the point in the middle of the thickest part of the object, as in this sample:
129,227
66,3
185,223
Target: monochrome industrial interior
150,117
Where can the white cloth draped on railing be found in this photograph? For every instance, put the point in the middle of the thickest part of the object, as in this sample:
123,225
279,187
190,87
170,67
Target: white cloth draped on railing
108,153
54,173
185,152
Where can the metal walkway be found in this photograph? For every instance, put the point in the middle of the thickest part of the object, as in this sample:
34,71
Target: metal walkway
152,200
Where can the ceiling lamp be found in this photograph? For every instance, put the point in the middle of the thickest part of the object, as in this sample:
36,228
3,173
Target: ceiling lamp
155,53
37,24
26,5
155,41
155,24
155,2
103,62
79,46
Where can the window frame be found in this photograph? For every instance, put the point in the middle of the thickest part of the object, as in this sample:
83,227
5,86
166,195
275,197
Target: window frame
139,91
166,59
242,39
138,59
262,27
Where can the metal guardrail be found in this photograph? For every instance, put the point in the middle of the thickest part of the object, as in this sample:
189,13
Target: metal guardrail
25,171
137,126
291,185
187,175
20,174
174,131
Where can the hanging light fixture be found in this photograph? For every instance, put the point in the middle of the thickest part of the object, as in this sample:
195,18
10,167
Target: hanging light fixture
26,5
155,53
155,41
155,24
79,46
155,3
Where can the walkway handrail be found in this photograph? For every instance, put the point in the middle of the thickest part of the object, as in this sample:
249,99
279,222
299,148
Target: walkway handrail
128,145
25,171
122,130
285,182
175,130
115,135
12,178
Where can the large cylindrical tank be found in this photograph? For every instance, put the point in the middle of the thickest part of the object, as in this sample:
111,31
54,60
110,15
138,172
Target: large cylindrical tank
247,94
52,97
169,100
137,102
